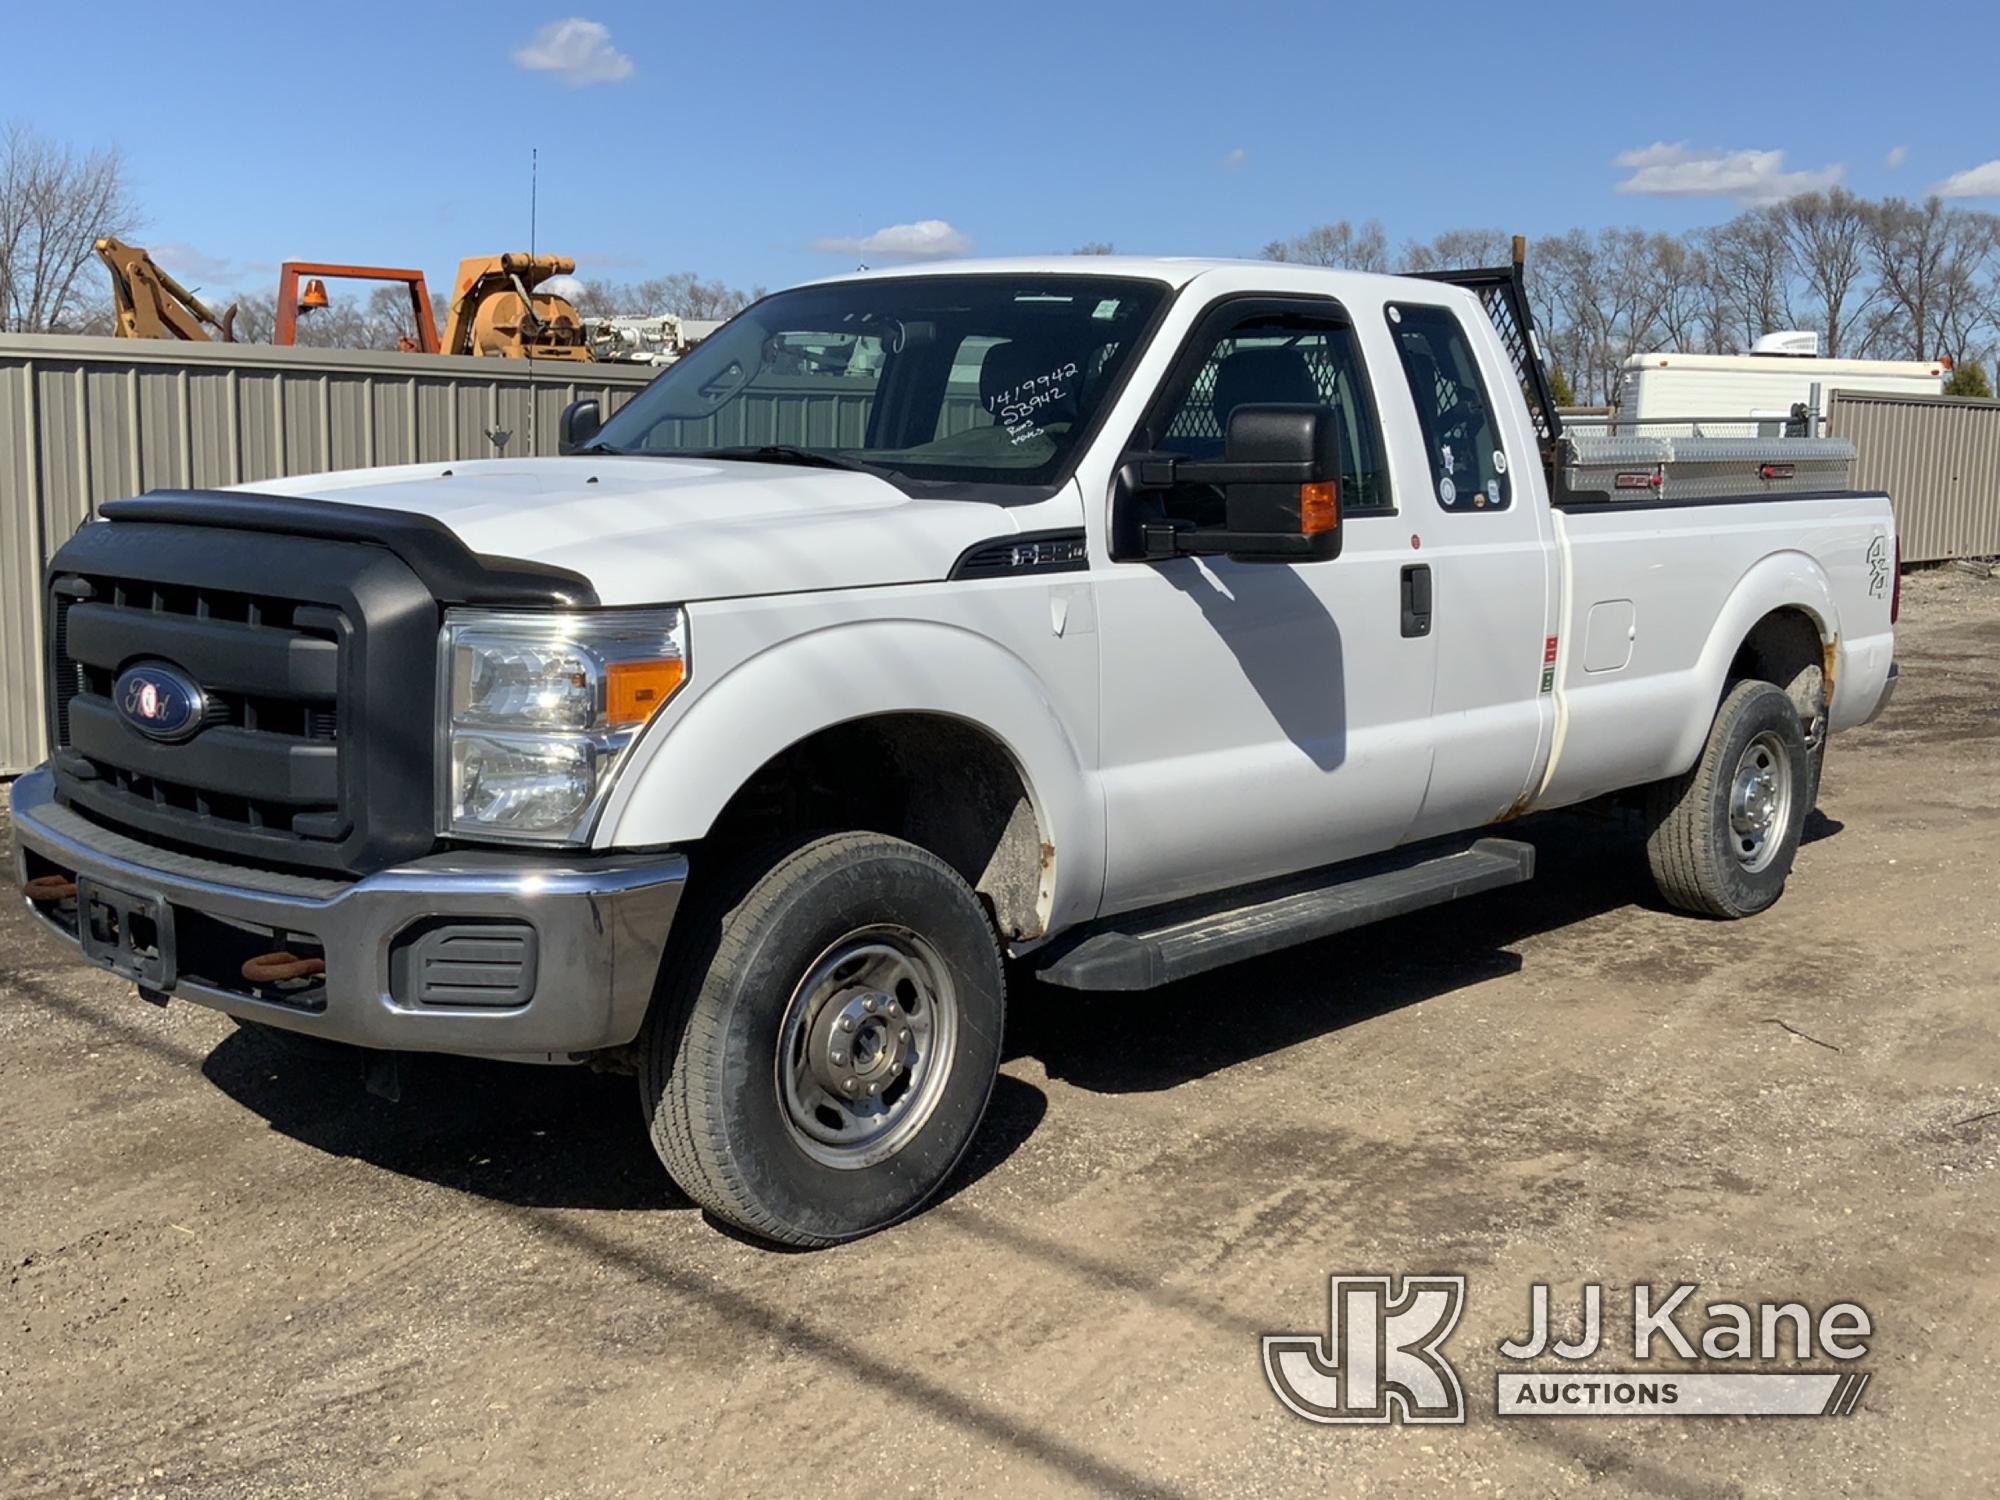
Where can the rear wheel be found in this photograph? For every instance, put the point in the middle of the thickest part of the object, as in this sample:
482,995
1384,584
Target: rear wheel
1721,838
827,1040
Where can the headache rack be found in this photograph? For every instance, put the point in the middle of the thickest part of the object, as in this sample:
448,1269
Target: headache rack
1503,292
1609,462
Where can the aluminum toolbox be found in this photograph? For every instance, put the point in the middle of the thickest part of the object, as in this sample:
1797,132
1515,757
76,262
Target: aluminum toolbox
1619,466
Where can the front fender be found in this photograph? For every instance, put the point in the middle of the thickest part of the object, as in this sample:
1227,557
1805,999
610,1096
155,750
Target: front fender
685,769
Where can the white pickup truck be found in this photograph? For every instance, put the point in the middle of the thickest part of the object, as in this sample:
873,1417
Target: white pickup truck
1113,618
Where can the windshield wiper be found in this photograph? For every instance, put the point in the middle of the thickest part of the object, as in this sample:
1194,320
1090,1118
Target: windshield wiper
784,453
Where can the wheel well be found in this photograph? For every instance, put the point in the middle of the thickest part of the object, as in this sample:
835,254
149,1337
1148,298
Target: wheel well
1784,648
941,783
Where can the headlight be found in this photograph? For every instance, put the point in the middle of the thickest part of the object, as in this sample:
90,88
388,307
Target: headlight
539,709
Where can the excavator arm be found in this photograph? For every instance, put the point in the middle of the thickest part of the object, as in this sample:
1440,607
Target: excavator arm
152,305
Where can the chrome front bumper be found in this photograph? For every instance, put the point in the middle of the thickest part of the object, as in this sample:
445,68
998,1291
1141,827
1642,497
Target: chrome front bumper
599,926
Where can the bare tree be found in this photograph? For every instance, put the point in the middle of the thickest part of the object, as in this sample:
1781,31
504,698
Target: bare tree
1568,302
380,320
1341,245
1752,290
1907,242
1936,268
1456,249
1826,236
256,317
1894,279
55,202
1679,272
683,294
687,295
1093,247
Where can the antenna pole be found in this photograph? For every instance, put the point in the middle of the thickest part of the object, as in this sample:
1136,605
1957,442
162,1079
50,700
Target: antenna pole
534,203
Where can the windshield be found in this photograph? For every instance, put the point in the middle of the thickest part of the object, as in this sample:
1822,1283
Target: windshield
936,382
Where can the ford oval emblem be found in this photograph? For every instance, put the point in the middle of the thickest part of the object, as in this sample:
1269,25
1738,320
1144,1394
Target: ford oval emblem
158,702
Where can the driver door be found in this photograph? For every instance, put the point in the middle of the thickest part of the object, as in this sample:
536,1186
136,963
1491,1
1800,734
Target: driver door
1261,718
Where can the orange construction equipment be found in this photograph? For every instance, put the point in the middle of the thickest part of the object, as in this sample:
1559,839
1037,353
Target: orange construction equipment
291,304
152,305
496,310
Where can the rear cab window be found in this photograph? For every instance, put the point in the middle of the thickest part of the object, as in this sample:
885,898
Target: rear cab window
1461,430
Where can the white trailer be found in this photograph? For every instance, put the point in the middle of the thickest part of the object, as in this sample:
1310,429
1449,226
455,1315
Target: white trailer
1725,393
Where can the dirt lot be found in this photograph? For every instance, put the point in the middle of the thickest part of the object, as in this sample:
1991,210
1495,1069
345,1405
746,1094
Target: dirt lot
228,1272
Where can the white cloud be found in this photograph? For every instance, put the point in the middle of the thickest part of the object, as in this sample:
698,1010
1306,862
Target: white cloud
1974,182
192,267
1235,159
208,274
927,239
1896,157
1678,171
577,51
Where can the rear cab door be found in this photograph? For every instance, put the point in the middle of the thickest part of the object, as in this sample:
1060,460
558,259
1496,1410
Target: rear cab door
1476,507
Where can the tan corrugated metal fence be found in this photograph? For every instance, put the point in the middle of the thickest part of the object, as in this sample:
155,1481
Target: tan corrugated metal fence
83,421
1938,457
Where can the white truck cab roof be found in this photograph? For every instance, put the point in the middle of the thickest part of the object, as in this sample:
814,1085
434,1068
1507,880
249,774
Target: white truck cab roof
1175,271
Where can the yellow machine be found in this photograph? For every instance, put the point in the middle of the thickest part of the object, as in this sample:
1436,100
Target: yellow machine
496,310
152,305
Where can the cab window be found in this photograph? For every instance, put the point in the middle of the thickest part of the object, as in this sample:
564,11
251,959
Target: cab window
1461,435
1290,360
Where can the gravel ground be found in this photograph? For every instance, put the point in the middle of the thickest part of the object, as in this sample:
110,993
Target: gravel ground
230,1272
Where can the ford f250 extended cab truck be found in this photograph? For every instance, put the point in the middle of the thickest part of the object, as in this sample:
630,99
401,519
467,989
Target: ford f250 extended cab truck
1110,619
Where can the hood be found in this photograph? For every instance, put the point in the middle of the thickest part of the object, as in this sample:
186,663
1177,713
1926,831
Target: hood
674,530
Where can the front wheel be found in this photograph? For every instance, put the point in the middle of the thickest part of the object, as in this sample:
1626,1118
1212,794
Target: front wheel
826,1041
1721,838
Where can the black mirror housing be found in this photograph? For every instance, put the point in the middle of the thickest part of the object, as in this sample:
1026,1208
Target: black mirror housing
1280,480
579,423
1306,438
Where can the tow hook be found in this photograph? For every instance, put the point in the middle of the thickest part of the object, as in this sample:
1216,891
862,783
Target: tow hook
47,890
276,968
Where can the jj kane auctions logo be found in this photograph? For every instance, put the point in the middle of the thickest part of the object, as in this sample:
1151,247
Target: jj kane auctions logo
1382,1357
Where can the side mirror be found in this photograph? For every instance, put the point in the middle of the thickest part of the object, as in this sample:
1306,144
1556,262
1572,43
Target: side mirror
1280,481
579,424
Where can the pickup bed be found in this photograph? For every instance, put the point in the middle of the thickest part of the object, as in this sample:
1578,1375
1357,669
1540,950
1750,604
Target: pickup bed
1113,619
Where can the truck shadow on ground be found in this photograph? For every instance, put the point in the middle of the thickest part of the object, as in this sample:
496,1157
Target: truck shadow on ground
533,1137
1587,864
569,1138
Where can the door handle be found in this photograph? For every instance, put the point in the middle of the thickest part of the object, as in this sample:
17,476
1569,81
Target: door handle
1417,599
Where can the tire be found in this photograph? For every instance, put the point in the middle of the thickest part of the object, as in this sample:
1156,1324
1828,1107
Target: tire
1721,838
755,1109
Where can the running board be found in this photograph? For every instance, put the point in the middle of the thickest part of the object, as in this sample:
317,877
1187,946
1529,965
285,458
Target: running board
1141,950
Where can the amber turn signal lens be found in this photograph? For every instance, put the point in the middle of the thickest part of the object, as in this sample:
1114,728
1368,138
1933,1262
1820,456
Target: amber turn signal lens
1319,508
634,690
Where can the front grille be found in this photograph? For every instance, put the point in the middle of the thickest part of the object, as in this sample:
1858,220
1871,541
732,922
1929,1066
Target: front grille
267,756
316,658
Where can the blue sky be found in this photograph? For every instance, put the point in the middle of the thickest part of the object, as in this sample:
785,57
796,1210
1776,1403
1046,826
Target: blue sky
767,143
